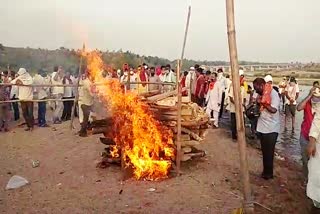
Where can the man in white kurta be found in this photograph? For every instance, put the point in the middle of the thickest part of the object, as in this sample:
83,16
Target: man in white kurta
213,100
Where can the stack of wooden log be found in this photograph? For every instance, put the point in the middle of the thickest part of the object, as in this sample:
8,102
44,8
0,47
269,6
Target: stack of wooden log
194,123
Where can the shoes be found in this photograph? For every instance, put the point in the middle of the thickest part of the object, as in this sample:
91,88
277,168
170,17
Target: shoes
28,129
44,125
57,122
6,130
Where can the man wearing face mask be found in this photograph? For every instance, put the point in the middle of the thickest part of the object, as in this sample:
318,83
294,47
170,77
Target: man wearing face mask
223,83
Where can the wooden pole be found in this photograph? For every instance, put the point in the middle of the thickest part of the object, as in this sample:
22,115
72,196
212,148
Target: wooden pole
178,158
77,88
248,203
185,34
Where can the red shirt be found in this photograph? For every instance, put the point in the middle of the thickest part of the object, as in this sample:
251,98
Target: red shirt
307,120
199,85
183,84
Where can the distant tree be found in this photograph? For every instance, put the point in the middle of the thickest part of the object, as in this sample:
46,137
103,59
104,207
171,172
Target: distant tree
1,47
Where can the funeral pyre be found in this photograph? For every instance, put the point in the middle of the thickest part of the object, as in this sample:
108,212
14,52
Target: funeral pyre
141,132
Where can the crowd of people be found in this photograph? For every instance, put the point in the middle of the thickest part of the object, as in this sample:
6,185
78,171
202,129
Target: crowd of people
262,103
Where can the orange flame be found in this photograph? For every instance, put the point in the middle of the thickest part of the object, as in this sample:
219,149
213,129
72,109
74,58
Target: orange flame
146,144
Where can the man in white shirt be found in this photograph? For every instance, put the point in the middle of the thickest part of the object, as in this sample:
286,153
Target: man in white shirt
57,93
191,82
292,94
223,83
25,96
268,127
232,109
42,94
67,105
86,98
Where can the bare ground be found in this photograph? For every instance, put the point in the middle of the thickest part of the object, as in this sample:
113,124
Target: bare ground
67,180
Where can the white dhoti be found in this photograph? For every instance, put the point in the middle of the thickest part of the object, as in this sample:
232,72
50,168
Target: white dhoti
213,100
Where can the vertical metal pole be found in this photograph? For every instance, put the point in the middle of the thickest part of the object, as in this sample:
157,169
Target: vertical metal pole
248,203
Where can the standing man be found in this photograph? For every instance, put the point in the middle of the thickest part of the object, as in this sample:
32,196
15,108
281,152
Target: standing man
57,93
200,83
154,79
67,105
42,95
231,106
14,92
213,99
292,94
282,90
25,96
4,107
306,106
85,103
190,83
223,83
268,127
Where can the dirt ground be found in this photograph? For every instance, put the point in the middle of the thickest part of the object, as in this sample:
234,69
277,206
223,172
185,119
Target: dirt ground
67,180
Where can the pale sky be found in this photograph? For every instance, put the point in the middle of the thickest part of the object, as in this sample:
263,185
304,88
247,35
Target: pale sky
267,30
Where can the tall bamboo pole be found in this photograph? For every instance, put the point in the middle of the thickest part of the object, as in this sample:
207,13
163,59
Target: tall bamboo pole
248,203
77,87
179,88
185,34
179,154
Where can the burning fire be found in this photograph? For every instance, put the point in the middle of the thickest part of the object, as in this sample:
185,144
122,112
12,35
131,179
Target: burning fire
146,144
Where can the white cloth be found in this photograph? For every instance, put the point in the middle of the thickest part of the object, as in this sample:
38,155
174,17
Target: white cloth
191,81
56,90
214,97
154,79
313,186
231,107
315,126
292,93
215,117
282,86
268,122
223,81
85,95
68,90
25,93
41,91
74,89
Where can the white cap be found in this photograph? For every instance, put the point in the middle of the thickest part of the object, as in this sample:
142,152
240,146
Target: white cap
268,78
22,71
241,72
191,68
